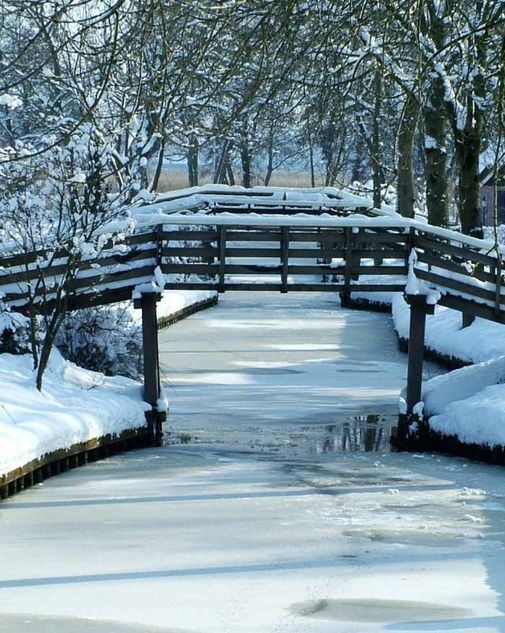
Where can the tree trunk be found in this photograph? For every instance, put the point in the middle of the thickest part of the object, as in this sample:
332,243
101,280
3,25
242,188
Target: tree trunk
230,177
404,147
192,159
435,127
311,159
435,124
467,154
159,167
245,159
220,175
50,336
358,172
377,173
270,164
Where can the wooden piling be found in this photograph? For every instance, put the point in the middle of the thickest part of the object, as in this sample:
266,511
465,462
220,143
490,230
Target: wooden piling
419,308
152,383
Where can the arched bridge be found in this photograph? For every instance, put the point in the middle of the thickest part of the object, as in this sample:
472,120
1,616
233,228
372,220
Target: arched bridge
269,239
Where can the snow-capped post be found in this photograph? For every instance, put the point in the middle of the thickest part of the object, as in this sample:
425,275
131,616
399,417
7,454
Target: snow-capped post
419,308
152,384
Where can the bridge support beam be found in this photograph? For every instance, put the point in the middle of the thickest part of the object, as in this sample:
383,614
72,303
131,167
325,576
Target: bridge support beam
152,384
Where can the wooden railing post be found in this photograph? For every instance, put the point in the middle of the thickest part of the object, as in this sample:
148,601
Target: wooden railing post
152,384
345,295
284,258
466,319
419,308
498,284
222,257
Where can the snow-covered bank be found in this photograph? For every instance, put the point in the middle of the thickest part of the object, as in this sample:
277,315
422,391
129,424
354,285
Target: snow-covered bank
469,403
480,341
75,405
466,405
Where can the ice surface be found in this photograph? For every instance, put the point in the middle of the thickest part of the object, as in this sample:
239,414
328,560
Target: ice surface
215,538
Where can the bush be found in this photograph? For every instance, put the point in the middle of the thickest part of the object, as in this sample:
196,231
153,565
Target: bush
14,332
104,339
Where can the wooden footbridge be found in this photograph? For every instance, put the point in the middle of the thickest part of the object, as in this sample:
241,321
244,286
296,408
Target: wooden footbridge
283,240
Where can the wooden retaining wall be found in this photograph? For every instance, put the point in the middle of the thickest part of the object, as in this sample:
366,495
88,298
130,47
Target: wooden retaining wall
61,460
426,440
187,311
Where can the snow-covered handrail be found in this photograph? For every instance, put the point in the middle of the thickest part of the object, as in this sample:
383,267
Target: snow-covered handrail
180,241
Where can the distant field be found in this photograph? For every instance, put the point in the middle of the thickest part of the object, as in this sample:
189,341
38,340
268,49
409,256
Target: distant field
177,179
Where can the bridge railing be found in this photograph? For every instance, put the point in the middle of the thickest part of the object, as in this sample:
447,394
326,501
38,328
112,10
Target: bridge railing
353,255
234,252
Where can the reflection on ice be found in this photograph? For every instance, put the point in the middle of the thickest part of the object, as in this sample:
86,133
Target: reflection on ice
349,434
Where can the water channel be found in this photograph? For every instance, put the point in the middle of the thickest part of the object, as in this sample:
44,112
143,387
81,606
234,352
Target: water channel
276,504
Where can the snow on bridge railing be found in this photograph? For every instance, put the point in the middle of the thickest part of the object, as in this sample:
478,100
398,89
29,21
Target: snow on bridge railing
214,198
196,248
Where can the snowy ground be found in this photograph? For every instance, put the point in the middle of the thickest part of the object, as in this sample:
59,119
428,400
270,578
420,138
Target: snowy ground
249,528
468,403
75,405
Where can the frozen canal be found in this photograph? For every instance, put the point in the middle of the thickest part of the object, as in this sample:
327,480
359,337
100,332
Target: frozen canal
276,507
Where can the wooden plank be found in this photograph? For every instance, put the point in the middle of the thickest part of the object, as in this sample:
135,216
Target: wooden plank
370,287
348,260
56,270
335,237
453,284
22,259
152,385
293,287
380,238
253,235
448,264
201,235
281,209
384,253
419,308
465,253
189,251
101,279
100,298
379,270
469,307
